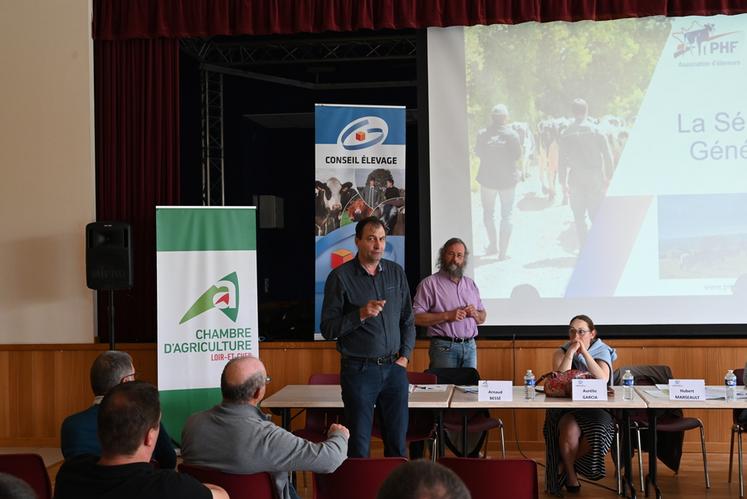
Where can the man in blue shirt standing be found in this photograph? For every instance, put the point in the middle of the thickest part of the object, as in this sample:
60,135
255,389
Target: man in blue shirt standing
367,309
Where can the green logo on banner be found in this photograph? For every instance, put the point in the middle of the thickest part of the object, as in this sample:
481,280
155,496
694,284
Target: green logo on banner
223,295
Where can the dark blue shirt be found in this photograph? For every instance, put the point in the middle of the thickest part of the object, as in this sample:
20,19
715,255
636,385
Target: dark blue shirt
348,288
78,436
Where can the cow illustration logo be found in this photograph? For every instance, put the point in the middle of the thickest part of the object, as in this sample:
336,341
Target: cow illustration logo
223,295
362,133
702,39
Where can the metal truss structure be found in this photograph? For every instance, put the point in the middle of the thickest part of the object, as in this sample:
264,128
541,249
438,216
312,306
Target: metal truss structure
241,52
213,184
308,62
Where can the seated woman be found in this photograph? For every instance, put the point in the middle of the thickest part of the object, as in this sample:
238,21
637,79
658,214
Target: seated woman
577,440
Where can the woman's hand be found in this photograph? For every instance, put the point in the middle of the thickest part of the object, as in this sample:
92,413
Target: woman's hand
574,346
582,348
600,370
563,360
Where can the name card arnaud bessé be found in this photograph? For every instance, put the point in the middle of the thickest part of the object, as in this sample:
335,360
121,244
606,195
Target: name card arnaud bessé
687,389
495,391
589,389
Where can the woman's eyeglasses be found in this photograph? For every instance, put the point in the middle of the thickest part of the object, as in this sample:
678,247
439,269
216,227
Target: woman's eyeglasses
578,332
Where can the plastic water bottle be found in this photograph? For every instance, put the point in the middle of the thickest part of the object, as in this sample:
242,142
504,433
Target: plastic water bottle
628,382
730,382
529,380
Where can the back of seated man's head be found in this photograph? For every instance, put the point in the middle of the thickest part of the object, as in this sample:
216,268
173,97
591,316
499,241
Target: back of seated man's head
110,369
128,411
421,479
241,379
15,488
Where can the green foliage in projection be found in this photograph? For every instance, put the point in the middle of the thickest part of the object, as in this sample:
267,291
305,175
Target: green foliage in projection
538,69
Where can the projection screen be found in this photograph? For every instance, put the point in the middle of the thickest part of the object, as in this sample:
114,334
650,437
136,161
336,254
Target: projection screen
626,197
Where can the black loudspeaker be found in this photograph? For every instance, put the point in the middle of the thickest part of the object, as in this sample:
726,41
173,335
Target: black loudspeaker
108,255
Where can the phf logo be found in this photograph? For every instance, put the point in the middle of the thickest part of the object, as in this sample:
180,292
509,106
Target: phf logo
700,39
362,133
223,295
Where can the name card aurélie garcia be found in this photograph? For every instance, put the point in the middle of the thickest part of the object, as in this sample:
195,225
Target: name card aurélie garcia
589,389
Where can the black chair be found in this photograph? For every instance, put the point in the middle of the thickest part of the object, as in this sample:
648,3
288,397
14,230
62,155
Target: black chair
739,426
670,426
477,420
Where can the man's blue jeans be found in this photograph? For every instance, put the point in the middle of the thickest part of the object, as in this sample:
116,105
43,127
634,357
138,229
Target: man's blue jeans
365,385
447,353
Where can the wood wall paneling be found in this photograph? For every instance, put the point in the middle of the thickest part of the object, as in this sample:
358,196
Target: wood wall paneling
41,384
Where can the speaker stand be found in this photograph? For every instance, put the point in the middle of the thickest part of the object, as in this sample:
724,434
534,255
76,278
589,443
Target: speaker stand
111,320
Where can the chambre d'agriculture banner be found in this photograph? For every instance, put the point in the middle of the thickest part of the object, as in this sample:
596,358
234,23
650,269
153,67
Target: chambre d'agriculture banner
207,303
360,172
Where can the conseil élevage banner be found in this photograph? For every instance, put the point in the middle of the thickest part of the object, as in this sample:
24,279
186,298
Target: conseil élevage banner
360,172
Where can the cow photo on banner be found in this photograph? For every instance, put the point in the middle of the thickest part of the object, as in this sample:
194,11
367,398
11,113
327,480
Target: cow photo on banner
360,172
207,303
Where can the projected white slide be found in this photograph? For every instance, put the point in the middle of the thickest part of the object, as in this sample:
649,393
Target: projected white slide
595,167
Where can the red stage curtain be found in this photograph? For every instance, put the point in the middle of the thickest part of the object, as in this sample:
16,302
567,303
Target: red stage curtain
137,162
120,19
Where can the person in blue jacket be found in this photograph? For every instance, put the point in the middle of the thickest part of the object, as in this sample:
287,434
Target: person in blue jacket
78,434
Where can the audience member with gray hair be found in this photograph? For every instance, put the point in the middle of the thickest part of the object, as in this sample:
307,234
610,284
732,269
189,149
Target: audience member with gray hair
78,434
12,487
421,479
110,369
237,437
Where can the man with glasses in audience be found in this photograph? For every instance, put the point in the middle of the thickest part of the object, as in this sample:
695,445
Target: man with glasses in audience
237,437
78,433
14,488
128,427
